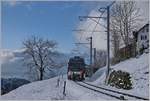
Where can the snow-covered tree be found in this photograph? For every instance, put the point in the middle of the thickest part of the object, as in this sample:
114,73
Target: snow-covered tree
39,55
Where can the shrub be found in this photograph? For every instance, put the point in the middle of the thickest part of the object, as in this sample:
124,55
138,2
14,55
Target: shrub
120,79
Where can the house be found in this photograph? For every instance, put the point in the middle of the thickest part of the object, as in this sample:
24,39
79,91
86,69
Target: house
142,38
138,43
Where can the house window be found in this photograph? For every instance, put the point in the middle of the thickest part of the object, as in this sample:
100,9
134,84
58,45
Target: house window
147,29
145,37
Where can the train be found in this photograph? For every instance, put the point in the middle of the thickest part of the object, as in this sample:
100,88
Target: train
76,68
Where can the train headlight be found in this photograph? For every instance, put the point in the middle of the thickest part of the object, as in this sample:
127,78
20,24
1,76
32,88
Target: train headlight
81,72
69,73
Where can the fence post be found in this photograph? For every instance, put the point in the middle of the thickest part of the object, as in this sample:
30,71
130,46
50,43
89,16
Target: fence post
122,98
64,88
62,76
58,80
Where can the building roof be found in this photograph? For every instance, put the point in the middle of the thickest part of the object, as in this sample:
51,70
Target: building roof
135,33
143,27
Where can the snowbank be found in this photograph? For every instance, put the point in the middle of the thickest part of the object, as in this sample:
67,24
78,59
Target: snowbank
48,90
99,76
40,90
139,70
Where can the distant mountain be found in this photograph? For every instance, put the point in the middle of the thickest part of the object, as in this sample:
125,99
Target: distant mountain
10,84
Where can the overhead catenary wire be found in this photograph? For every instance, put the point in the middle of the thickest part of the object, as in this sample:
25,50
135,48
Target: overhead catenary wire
107,8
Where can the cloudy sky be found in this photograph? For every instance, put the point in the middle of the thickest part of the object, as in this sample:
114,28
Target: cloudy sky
99,38
54,20
50,19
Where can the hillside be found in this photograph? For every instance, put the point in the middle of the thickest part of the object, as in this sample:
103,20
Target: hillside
48,89
139,70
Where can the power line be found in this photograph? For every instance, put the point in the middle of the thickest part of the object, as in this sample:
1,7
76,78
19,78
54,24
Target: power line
108,29
98,20
90,48
83,30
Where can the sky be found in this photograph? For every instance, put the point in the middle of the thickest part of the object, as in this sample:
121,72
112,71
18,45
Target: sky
100,37
53,20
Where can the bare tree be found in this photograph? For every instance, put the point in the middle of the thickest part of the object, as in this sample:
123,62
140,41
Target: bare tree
38,55
115,40
100,59
124,20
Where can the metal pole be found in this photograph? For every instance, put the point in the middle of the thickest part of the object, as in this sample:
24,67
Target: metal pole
64,88
94,55
108,44
90,50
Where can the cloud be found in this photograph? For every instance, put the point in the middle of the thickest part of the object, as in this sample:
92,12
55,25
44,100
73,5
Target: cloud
28,6
12,3
144,11
99,36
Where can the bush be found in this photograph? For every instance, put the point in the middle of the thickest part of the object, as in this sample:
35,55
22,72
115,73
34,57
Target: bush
120,79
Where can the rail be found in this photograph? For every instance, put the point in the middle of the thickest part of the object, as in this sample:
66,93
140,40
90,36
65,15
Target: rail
120,98
106,89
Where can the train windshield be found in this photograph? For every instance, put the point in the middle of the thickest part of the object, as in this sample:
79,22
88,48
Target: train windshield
76,66
76,63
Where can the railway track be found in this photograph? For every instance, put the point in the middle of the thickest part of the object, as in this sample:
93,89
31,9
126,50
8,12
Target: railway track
117,97
109,92
134,96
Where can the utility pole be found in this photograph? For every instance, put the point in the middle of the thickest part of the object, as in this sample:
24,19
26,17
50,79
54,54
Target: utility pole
94,55
102,10
90,50
108,40
89,38
108,45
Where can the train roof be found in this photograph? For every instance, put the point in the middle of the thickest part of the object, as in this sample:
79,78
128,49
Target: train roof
76,59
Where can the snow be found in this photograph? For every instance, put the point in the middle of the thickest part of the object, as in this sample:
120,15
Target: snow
48,89
139,70
76,92
40,90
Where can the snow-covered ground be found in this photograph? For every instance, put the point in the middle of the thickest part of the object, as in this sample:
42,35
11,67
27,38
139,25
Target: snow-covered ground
139,70
48,89
40,90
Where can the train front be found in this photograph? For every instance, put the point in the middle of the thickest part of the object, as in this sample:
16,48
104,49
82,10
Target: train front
76,69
